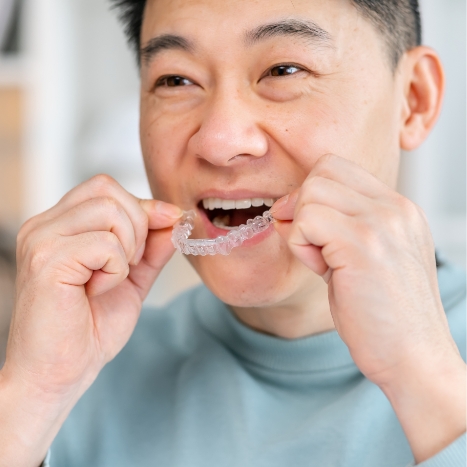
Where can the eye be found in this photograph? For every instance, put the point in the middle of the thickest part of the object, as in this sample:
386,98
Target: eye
173,81
284,70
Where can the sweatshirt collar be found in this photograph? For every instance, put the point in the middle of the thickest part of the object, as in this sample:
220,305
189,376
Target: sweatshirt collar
317,353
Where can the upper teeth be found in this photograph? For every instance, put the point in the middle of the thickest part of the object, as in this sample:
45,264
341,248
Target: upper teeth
217,203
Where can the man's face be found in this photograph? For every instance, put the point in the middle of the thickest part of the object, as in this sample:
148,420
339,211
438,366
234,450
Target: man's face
243,102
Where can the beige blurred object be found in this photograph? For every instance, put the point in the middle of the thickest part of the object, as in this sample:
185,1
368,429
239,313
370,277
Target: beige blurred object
11,188
7,287
11,198
11,124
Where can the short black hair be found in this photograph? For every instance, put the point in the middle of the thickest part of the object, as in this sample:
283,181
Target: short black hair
398,21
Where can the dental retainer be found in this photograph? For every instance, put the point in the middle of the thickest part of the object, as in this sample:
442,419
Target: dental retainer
221,245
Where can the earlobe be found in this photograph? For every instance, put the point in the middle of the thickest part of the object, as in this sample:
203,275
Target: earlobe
424,91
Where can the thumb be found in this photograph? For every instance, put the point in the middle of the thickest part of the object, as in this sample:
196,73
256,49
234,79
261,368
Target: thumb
160,214
158,250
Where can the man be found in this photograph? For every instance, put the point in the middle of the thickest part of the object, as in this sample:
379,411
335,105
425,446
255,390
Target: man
330,339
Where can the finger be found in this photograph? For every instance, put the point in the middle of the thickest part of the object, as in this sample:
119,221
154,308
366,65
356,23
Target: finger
321,190
324,227
94,215
100,186
94,259
327,192
350,174
310,255
106,186
158,251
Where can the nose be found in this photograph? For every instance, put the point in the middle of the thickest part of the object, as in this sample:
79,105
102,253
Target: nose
229,131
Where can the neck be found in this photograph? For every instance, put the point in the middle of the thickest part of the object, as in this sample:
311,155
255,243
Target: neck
308,314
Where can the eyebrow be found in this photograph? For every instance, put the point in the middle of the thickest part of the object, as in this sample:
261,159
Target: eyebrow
286,27
289,27
164,42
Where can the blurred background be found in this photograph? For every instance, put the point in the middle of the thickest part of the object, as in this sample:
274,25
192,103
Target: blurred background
69,110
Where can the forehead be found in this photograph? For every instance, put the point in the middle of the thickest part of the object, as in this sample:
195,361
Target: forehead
215,22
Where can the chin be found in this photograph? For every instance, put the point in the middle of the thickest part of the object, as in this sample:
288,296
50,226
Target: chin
262,275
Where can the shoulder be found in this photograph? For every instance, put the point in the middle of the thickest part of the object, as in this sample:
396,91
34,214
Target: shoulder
452,287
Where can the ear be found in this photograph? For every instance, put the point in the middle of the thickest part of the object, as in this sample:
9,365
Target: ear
423,95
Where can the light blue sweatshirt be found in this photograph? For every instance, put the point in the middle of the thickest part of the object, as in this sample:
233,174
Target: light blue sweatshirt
194,387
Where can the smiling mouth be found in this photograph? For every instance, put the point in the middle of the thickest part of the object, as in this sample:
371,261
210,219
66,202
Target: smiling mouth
228,214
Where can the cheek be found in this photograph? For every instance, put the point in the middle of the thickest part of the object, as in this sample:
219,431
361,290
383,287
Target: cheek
164,138
307,131
359,126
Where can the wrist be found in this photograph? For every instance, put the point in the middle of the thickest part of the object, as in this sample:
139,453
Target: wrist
30,422
429,399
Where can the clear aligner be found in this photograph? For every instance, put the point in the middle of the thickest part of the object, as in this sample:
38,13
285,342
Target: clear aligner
221,245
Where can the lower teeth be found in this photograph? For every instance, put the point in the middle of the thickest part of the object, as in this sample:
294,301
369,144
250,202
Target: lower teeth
223,222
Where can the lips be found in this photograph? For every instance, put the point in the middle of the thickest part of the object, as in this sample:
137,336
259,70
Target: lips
221,211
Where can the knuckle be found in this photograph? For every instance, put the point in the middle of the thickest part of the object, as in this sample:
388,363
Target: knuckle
307,213
405,206
371,239
310,181
401,202
26,238
413,211
102,179
326,160
38,260
304,218
109,205
392,218
403,212
107,237
421,214
26,229
314,183
40,253
102,184
324,165
111,241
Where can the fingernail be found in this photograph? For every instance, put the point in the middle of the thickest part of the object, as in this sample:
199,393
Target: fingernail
139,254
279,204
168,210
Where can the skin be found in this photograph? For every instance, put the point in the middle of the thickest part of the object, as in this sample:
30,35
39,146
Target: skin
327,138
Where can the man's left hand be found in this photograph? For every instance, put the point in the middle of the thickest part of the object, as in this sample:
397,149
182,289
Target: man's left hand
375,250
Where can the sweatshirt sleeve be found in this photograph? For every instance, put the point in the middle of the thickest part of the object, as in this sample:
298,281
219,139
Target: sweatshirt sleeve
452,456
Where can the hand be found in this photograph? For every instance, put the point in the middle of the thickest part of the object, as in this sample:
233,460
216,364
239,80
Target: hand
84,269
375,250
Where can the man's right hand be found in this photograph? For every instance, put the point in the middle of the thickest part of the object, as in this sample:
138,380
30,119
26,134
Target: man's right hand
84,269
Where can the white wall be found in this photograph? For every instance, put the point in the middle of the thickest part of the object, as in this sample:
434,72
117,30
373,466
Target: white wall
434,175
50,83
84,118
